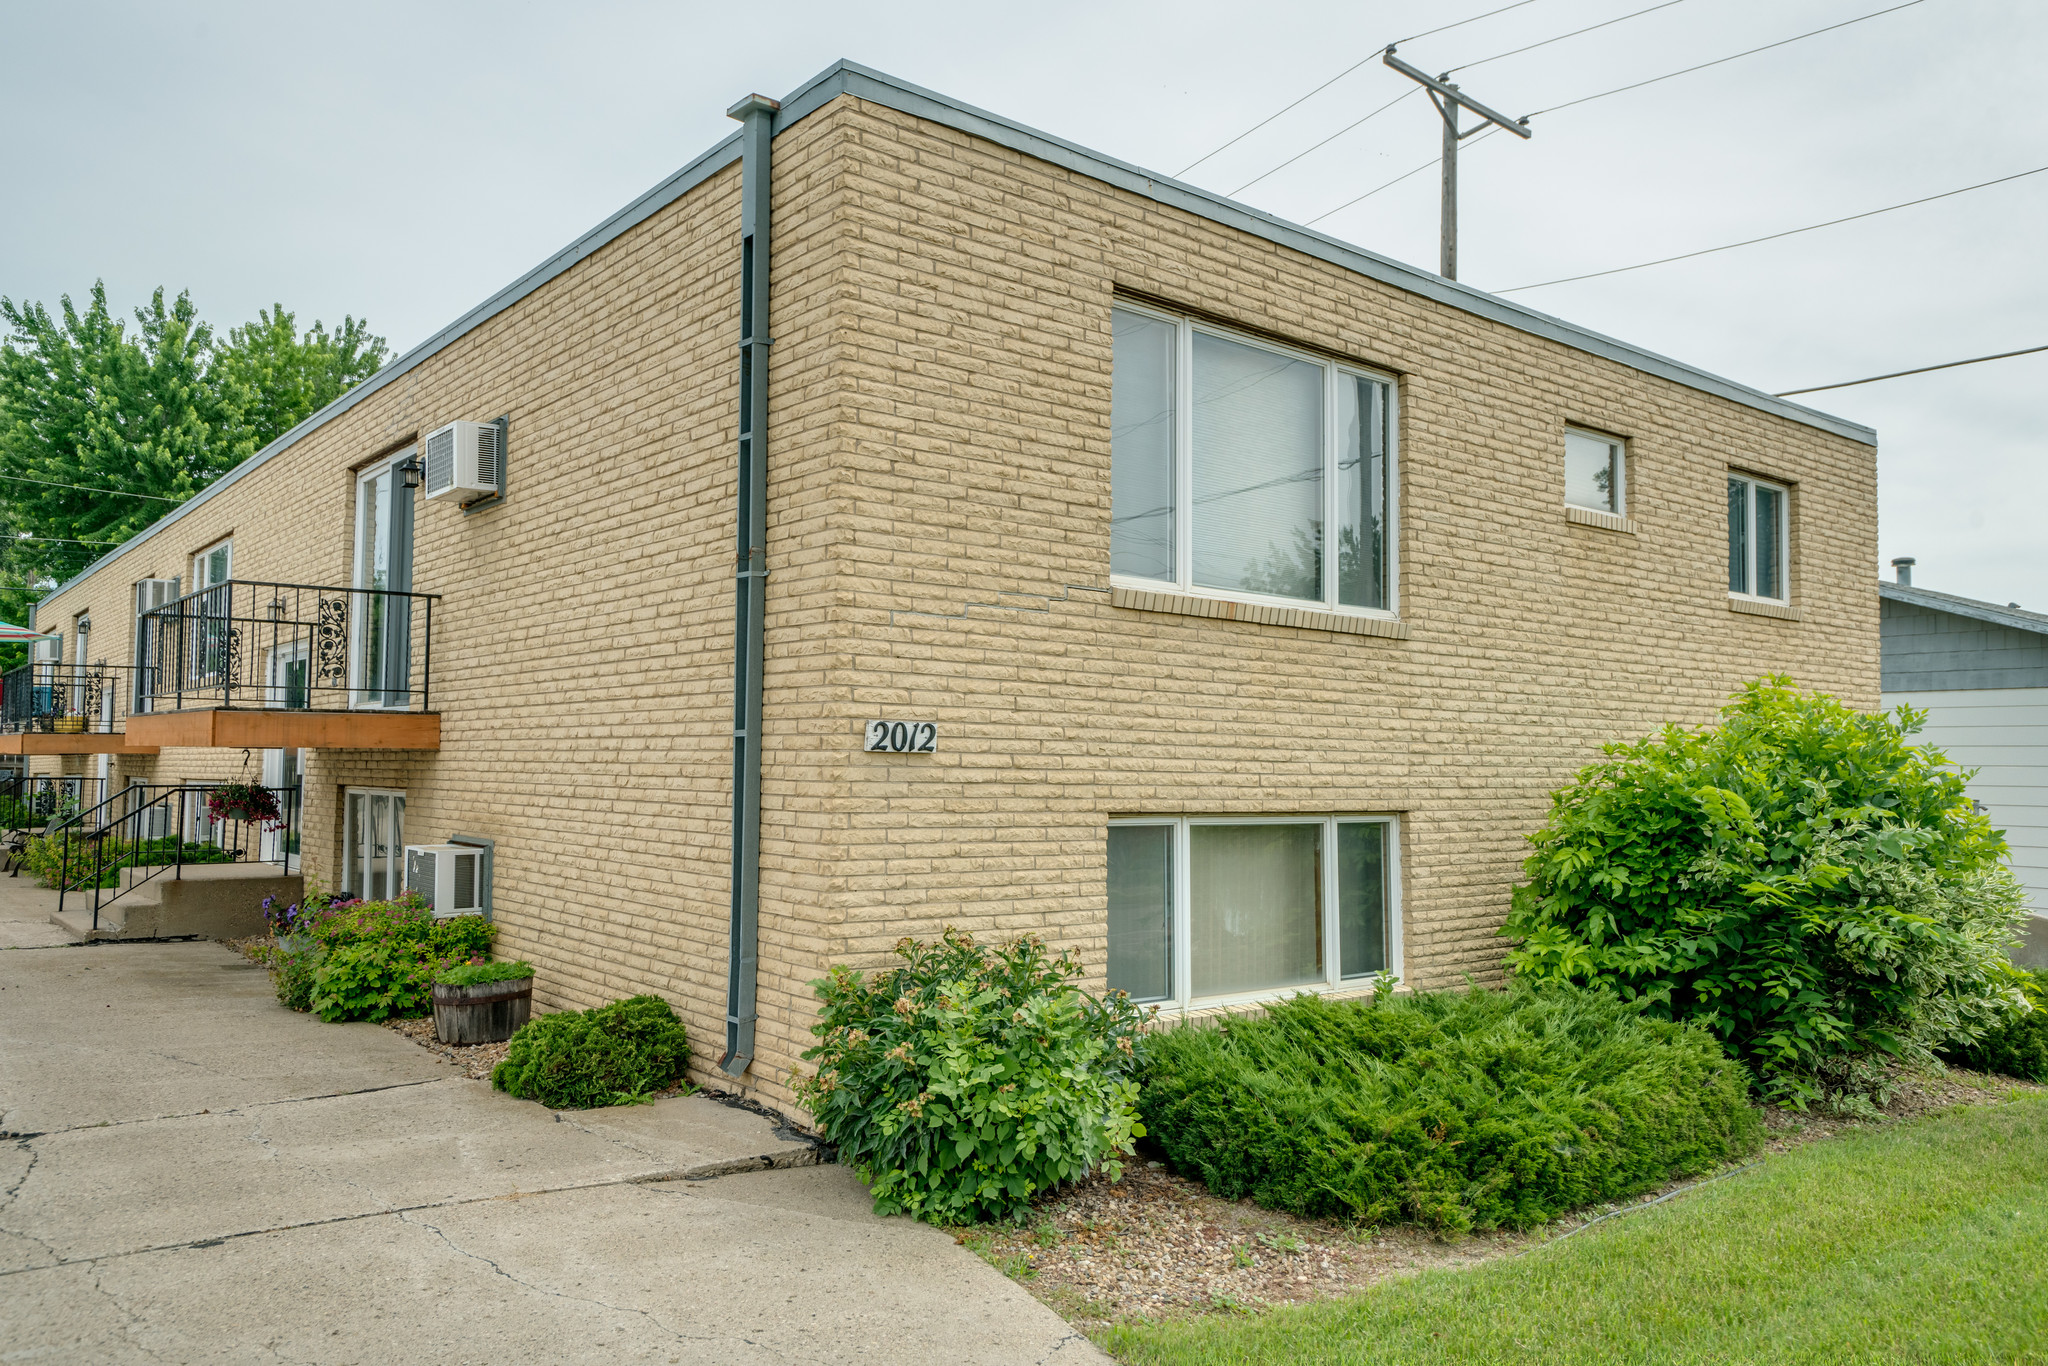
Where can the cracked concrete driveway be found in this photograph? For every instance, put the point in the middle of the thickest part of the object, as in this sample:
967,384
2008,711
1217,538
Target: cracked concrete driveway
191,1173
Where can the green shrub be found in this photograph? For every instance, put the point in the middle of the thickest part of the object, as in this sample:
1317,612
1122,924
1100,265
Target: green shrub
2016,1046
581,1060
366,960
970,1079
1455,1110
1801,879
373,979
461,937
477,974
44,858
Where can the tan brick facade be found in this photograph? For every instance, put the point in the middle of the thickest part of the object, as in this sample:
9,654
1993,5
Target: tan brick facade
939,545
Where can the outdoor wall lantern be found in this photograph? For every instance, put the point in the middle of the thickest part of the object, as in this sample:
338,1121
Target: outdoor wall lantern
410,471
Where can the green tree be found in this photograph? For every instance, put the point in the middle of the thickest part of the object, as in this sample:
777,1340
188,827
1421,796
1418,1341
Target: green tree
103,430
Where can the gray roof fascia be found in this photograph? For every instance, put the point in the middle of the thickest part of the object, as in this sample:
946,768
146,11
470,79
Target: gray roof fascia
851,78
2035,623
725,153
865,83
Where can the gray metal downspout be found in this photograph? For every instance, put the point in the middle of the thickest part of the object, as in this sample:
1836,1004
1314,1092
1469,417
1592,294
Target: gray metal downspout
756,114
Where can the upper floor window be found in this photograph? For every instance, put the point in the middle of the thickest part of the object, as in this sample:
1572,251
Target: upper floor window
1228,459
1595,472
1757,539
213,565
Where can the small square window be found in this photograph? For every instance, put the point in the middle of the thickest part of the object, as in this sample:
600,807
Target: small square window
1757,539
1595,471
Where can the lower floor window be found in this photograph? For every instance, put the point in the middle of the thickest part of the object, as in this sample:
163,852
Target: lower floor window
1216,908
373,843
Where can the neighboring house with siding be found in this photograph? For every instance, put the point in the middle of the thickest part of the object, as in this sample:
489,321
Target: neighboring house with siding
1980,672
1257,588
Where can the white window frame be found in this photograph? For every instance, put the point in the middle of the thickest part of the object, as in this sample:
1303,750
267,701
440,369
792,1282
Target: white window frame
366,694
204,557
349,869
1180,965
1184,473
1784,493
1620,458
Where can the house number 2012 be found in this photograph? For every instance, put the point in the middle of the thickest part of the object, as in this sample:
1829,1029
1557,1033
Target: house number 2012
902,737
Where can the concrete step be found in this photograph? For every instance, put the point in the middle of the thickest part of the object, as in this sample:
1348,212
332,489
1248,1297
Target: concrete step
210,901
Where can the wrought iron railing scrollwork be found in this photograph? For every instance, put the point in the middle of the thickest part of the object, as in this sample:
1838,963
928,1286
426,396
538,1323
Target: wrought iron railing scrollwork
47,698
245,643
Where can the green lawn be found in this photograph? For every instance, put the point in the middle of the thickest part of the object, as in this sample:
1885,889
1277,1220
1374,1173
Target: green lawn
1923,1242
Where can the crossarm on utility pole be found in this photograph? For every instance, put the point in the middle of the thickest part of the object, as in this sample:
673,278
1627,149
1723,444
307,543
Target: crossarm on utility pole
1448,99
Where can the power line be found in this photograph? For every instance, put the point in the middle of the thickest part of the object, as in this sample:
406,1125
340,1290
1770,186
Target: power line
82,488
1921,370
1607,23
1665,4
1325,142
1772,237
1392,183
1340,76
1687,71
1587,99
69,540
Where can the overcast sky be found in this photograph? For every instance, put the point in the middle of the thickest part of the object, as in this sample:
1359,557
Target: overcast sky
402,161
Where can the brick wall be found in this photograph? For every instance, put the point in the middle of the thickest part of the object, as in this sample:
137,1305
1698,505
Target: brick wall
939,544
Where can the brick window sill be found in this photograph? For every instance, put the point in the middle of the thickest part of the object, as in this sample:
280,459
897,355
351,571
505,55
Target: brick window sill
1765,609
1606,521
1180,604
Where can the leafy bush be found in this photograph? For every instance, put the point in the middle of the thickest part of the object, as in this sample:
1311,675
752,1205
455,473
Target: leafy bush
971,1078
477,974
580,1060
461,936
373,979
366,960
1801,879
292,974
2016,1046
1456,1110
44,858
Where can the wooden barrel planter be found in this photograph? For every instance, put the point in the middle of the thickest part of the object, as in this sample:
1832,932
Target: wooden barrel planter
486,1013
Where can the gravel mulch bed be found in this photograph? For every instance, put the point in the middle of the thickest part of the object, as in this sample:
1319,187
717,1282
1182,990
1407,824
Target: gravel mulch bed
1157,1245
474,1060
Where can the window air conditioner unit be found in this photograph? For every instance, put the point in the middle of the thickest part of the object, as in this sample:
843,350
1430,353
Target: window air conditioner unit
462,460
449,876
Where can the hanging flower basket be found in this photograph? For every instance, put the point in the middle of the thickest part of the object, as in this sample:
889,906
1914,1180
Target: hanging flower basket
245,802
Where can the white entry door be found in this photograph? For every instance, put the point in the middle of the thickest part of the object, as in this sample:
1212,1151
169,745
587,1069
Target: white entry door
373,843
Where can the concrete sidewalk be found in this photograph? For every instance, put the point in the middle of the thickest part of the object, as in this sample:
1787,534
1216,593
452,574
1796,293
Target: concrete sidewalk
191,1173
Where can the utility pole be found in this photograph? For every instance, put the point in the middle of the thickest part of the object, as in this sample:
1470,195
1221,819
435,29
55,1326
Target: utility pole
1447,98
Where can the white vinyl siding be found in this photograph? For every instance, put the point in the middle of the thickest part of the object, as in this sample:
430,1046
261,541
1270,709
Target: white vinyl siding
2003,734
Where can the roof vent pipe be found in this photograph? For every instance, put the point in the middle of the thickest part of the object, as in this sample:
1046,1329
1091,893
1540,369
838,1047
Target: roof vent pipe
756,114
1904,565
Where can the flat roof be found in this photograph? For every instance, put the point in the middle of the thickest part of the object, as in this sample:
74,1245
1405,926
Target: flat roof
2018,618
850,78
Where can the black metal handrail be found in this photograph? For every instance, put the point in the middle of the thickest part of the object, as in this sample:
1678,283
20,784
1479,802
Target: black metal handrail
91,699
137,834
245,643
31,801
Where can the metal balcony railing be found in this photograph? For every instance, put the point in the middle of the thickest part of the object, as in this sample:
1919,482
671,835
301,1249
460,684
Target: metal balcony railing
292,645
66,699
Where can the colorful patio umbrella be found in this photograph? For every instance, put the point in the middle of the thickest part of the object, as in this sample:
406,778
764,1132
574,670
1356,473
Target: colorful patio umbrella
10,633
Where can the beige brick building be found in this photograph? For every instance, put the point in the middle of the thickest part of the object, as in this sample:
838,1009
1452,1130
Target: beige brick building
1051,446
